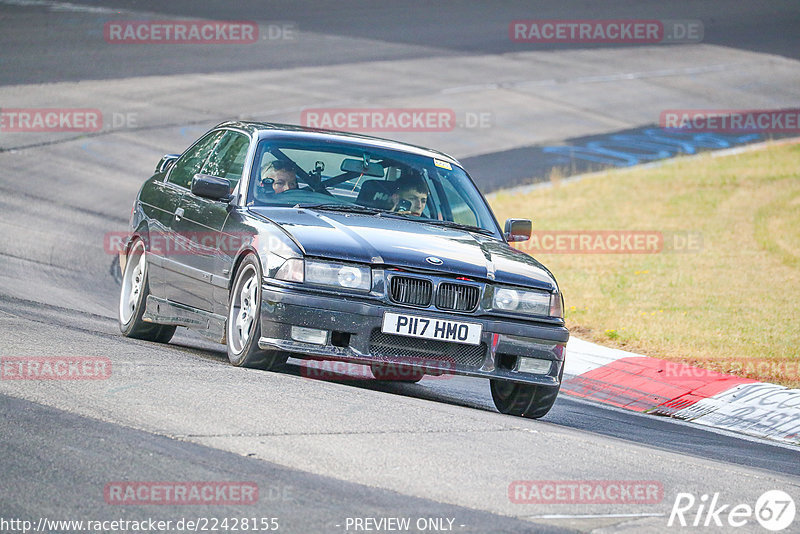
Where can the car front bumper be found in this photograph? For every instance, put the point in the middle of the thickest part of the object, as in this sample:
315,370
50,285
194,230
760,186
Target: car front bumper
354,335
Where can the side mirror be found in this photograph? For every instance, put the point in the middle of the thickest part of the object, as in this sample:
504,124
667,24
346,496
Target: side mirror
518,230
166,162
213,187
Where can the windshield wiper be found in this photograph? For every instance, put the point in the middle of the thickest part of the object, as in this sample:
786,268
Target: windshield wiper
451,224
353,208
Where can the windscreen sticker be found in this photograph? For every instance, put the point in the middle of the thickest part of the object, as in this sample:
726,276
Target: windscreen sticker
442,164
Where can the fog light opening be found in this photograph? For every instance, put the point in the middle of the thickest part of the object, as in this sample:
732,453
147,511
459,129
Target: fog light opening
309,335
535,366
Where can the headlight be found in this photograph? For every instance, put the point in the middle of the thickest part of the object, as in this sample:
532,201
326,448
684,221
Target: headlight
332,274
291,270
525,302
557,305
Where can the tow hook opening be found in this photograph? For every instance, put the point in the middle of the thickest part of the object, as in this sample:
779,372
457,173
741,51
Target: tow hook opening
340,339
507,362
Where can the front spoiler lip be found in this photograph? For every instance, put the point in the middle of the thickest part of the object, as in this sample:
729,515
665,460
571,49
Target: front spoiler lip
348,354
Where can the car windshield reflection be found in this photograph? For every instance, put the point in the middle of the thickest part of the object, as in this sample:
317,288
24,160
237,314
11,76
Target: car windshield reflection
369,181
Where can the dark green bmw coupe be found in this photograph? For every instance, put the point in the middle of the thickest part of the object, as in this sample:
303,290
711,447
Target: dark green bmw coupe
283,241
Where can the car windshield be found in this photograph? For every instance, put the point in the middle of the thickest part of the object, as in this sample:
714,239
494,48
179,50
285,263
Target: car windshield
367,180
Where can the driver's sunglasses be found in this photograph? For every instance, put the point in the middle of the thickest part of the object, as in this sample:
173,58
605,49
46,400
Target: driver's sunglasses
277,165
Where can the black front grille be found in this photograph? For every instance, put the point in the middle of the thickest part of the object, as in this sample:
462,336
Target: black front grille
412,291
393,347
457,297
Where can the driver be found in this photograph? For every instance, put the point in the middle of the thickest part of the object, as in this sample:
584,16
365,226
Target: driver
281,175
410,195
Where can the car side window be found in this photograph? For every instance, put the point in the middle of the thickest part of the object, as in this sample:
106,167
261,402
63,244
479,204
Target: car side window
227,160
192,161
459,205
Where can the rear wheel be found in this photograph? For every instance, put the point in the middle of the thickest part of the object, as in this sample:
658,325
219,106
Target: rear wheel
244,320
133,299
523,400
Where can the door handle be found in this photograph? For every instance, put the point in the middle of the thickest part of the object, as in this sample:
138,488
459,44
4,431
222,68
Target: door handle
178,214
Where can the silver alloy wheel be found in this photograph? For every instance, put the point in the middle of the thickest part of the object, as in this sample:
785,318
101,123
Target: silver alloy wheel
132,282
244,309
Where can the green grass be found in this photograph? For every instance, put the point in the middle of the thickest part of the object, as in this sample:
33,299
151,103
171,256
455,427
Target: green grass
737,299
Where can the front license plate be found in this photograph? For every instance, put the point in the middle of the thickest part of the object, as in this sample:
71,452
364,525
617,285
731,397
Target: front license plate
431,328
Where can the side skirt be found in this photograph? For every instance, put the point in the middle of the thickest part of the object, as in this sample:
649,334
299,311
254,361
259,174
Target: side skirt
162,311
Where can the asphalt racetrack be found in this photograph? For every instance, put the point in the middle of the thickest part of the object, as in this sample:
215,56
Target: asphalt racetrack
326,453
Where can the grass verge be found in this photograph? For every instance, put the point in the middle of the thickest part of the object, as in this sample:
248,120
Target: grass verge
732,306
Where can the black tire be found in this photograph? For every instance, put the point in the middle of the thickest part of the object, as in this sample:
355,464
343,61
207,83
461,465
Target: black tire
242,334
523,400
392,372
133,299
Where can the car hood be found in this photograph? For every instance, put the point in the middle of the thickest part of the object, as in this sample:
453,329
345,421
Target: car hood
406,244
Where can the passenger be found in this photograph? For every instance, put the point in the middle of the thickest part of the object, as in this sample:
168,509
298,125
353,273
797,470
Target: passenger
410,195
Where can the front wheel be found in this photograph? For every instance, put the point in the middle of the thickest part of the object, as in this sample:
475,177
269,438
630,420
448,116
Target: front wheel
523,400
133,299
244,323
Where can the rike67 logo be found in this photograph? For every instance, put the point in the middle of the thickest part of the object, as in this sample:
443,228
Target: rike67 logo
774,510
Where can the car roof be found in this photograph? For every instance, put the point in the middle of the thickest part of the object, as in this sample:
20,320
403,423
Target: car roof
288,131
